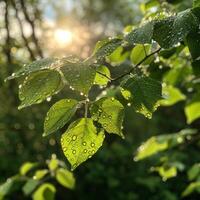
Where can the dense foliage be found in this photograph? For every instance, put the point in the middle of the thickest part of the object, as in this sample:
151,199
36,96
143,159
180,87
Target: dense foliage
155,64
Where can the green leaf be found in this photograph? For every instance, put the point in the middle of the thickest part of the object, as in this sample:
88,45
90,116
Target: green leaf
30,186
196,3
117,56
141,35
39,174
59,114
46,63
80,76
26,167
45,192
139,52
106,47
145,93
172,30
193,43
109,113
65,178
150,147
53,163
193,172
39,86
192,110
166,172
172,96
100,79
192,187
81,141
8,187
159,143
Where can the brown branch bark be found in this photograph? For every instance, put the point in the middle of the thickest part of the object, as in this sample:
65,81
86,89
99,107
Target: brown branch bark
32,56
32,24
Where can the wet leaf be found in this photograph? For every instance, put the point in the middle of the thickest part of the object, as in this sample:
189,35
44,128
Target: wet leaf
46,63
106,47
172,30
141,35
80,76
81,141
59,114
38,86
109,112
145,94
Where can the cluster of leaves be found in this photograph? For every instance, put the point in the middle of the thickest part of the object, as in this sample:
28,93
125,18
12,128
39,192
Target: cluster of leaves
36,180
147,56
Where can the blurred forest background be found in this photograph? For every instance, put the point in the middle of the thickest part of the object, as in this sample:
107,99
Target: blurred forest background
33,29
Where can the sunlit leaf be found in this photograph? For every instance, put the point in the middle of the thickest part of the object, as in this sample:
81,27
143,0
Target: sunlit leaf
45,192
106,47
145,93
39,86
101,79
171,95
166,172
139,52
39,174
192,187
46,63
192,110
117,56
109,112
81,141
141,35
59,114
53,163
80,76
26,167
159,143
172,30
65,178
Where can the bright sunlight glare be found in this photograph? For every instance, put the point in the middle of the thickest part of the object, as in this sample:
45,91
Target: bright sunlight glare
63,37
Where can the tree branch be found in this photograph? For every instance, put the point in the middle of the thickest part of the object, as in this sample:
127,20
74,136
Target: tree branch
22,31
130,71
32,24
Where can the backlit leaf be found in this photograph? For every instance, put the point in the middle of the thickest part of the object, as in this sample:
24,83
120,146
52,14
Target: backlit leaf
192,110
109,113
65,178
59,114
145,93
39,86
45,192
81,141
80,76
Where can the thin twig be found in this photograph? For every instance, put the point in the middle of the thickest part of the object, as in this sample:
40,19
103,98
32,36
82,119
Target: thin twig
137,65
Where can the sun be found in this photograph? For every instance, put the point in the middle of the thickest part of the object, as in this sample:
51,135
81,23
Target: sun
63,36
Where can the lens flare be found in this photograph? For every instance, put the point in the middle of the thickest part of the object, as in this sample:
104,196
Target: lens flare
63,37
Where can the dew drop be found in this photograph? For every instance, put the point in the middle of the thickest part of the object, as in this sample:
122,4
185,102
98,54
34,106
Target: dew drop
84,143
74,137
92,144
74,151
